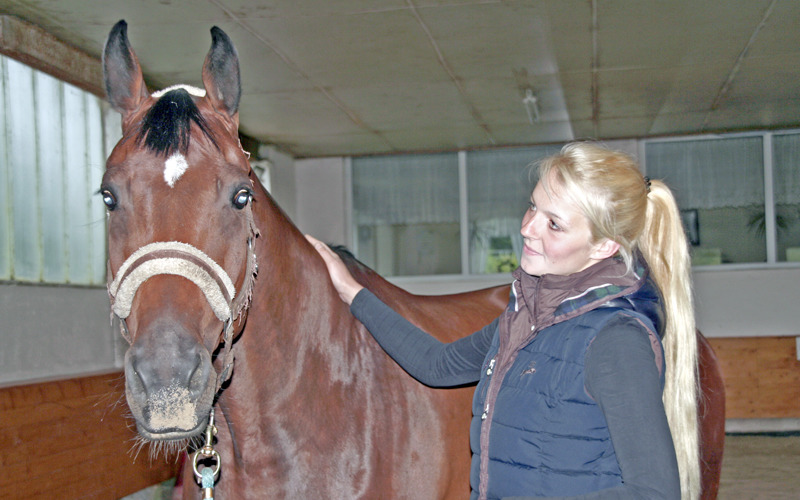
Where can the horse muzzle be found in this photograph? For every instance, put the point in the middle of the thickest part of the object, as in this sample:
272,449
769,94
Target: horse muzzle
169,400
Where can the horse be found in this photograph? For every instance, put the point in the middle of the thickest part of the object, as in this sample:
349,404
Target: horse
238,340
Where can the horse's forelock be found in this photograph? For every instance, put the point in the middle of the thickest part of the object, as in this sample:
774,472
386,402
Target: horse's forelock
166,128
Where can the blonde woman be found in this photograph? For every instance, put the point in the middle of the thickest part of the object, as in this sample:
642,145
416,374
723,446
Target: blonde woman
571,376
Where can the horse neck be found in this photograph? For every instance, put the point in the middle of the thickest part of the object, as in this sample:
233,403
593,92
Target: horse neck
295,312
286,274
298,339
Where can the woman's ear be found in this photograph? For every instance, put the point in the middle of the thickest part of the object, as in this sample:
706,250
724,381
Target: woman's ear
604,249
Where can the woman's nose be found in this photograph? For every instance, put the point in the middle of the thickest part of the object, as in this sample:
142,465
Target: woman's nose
529,226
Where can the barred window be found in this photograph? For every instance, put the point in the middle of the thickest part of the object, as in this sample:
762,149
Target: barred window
740,194
52,157
460,213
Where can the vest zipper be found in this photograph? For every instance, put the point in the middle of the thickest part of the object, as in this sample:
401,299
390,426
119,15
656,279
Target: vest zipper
492,389
489,371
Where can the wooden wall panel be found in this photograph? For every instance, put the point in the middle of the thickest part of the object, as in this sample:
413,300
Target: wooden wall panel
762,376
72,439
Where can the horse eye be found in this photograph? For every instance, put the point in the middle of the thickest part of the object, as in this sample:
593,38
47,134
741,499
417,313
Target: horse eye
242,198
109,200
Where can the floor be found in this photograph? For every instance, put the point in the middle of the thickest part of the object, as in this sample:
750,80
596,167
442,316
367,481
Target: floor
754,467
761,467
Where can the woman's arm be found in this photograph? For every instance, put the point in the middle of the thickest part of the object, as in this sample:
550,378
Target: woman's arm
425,358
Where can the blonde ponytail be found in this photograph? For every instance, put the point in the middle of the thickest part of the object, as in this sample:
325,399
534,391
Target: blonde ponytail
663,244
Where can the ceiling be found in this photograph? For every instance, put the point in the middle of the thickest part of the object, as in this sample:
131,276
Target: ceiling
355,77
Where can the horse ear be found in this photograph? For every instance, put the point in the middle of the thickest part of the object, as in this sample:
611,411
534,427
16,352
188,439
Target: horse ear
122,74
221,74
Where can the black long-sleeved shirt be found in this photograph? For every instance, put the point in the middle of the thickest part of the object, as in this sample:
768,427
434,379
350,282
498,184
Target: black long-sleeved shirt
620,375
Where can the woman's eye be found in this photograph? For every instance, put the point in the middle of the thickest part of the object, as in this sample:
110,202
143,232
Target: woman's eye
109,200
553,225
242,198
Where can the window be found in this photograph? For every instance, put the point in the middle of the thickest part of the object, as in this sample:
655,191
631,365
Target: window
406,213
428,214
52,157
460,213
786,176
731,210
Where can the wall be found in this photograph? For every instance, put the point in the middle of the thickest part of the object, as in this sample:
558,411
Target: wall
321,187
55,331
283,183
71,439
762,383
748,302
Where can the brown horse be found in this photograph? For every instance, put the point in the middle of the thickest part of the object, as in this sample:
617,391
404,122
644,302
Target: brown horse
307,404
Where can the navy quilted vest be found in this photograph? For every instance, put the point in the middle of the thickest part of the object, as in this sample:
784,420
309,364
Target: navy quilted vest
544,421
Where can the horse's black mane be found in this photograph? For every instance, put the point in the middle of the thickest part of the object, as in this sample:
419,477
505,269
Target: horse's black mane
167,127
342,251
350,260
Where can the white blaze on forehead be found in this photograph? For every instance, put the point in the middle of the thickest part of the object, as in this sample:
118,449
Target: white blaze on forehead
188,88
174,168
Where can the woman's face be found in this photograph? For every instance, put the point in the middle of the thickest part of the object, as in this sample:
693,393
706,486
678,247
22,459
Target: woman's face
556,236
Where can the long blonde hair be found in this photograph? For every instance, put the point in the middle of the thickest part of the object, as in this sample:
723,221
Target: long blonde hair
627,208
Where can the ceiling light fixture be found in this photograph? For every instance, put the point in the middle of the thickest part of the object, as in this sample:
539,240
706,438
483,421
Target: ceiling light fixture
531,105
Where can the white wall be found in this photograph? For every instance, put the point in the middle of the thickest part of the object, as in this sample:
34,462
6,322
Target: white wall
748,302
729,303
321,191
283,182
56,332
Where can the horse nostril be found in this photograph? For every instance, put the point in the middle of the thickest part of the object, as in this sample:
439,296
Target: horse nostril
198,377
136,380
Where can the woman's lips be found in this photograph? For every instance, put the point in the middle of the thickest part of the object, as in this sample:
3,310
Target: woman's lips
529,251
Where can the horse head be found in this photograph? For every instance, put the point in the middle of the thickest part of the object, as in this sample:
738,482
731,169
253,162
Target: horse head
178,189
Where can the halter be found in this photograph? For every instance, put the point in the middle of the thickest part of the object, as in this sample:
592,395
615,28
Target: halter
182,259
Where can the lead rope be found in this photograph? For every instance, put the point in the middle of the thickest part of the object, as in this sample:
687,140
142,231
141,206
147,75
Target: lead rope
208,475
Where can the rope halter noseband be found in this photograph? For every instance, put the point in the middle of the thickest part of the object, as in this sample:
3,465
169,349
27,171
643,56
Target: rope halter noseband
182,259
172,257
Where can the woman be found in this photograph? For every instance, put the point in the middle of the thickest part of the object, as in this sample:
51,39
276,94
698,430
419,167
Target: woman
570,376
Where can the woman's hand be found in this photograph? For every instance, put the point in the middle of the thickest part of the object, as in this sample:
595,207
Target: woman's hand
343,281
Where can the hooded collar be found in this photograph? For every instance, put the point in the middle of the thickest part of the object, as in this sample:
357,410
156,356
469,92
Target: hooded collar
550,298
